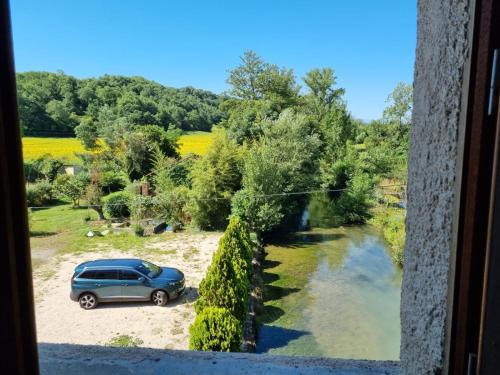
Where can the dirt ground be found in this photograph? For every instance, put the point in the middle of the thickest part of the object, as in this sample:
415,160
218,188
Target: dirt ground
60,320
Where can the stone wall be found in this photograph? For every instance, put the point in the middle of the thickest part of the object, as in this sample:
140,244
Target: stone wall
433,176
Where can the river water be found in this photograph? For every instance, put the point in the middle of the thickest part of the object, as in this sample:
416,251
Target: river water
331,292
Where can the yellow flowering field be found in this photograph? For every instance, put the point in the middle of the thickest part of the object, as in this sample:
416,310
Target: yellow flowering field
195,142
65,148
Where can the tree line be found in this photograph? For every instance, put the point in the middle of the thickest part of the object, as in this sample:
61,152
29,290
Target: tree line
56,104
274,142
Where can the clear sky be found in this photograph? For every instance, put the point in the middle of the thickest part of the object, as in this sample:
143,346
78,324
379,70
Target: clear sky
369,43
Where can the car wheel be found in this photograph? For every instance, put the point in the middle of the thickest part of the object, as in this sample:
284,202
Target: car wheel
87,301
160,298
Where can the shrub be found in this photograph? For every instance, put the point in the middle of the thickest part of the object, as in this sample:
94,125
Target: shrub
39,193
138,230
172,206
141,207
112,182
117,204
47,167
226,283
215,178
72,187
215,329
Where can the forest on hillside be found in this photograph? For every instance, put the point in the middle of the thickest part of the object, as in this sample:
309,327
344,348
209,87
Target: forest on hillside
56,104
274,141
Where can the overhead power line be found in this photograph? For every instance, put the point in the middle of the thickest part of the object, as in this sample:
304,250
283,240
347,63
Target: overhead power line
306,192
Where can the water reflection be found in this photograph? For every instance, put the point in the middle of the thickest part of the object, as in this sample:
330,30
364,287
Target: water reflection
331,292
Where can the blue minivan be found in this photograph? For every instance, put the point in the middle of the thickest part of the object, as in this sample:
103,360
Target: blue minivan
118,280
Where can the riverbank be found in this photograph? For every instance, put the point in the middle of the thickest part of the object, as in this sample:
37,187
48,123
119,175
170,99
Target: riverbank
391,222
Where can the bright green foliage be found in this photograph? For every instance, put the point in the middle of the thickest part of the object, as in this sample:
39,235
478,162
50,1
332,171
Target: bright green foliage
141,207
117,205
125,341
260,90
353,204
391,221
215,329
226,283
55,104
112,181
172,206
141,145
72,187
284,160
323,95
45,167
39,193
215,178
86,132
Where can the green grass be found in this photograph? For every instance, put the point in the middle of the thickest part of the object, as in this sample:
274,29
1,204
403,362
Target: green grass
64,229
391,221
67,148
125,341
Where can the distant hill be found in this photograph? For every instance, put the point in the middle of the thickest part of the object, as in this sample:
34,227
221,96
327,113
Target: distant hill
53,104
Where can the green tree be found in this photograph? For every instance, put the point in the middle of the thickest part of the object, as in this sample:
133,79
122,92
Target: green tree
86,132
284,160
72,187
140,146
400,105
323,94
215,329
215,178
226,283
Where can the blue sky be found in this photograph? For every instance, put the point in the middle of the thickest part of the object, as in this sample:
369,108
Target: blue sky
369,43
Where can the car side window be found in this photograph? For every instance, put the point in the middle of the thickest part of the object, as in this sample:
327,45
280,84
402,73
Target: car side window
87,275
129,275
106,275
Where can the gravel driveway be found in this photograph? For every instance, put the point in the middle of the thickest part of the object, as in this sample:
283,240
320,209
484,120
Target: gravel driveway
60,320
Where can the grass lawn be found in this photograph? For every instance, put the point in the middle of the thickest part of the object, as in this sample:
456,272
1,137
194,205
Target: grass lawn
66,148
62,229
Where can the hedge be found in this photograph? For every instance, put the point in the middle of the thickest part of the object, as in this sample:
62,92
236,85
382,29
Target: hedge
224,292
216,329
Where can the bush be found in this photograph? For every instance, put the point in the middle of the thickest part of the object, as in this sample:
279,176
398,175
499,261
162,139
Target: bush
138,230
47,167
215,329
39,193
172,206
117,204
72,187
226,283
141,207
112,182
215,178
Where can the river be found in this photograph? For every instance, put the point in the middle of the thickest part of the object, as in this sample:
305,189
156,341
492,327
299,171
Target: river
331,292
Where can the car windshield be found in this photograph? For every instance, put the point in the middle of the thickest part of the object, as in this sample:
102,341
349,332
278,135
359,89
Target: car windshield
149,269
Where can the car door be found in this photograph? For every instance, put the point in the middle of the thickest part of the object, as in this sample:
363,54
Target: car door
134,285
107,284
